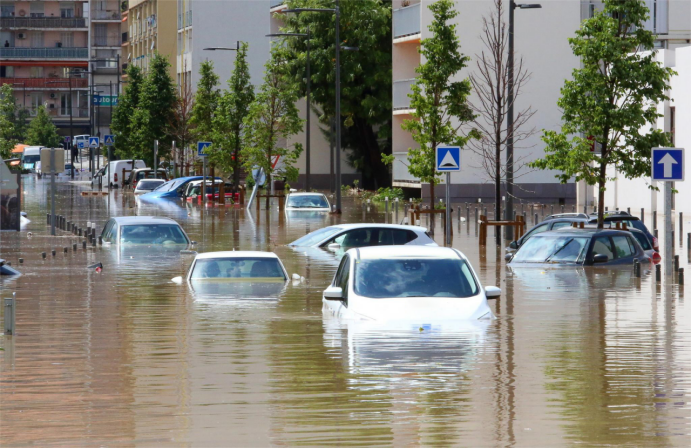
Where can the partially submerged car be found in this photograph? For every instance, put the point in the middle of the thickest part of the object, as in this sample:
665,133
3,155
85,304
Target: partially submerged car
576,246
145,173
362,235
194,190
148,185
144,231
407,283
612,217
314,202
172,189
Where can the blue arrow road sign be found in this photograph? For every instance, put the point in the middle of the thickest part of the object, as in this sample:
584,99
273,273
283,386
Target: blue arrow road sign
448,158
108,140
93,142
667,164
201,146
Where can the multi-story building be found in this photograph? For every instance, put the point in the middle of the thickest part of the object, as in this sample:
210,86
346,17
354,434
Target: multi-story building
150,29
549,60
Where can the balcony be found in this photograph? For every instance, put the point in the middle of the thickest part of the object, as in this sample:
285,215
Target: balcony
401,103
44,53
43,83
106,15
400,175
406,21
107,41
658,13
42,22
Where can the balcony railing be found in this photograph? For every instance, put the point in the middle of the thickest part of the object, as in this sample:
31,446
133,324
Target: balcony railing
44,53
400,172
45,83
406,21
105,15
184,19
275,3
658,13
108,41
400,91
42,22
105,64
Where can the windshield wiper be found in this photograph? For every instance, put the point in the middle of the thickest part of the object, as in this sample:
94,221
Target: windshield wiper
558,251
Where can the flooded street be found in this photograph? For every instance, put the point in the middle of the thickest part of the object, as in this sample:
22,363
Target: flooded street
126,357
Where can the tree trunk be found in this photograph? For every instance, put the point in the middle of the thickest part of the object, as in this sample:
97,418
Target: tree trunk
601,190
236,165
376,174
498,191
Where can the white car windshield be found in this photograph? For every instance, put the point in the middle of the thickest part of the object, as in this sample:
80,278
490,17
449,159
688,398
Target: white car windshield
552,249
307,201
316,237
165,234
423,277
260,267
148,184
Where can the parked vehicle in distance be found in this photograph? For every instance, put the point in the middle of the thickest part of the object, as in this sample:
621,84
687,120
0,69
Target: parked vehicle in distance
144,230
631,221
194,188
31,156
145,173
174,188
112,173
314,202
362,235
644,242
407,283
574,246
148,185
552,222
81,138
237,266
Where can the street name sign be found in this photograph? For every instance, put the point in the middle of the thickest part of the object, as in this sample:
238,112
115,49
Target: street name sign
667,164
448,158
93,142
201,146
108,140
105,100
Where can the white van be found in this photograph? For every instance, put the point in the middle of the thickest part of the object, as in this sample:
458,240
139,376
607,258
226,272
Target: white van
112,173
81,138
30,156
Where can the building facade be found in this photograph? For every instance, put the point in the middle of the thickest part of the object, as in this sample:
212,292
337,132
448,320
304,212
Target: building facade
151,28
550,62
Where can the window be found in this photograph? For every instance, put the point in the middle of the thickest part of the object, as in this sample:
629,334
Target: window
67,39
343,279
65,103
395,237
36,9
623,246
552,248
37,39
603,246
7,72
642,239
100,34
263,268
355,238
536,230
36,101
66,10
36,72
6,10
559,225
108,231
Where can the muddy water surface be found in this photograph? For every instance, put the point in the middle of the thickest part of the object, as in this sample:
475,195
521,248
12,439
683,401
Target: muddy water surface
126,357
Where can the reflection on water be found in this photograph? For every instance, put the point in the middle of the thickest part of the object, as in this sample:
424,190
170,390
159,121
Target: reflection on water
592,356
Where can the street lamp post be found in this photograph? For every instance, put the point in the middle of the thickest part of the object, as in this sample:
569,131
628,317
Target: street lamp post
69,81
509,204
307,121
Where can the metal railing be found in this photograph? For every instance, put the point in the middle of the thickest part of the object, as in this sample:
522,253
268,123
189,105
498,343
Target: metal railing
105,63
109,14
406,21
107,41
658,13
42,22
400,169
40,83
400,91
45,53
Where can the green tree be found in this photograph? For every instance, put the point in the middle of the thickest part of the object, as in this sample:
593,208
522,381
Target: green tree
124,111
7,121
229,134
366,76
610,99
155,111
42,131
440,104
206,101
272,120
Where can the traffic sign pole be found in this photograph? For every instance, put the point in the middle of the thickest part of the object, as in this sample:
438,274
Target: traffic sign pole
448,159
448,221
668,223
667,166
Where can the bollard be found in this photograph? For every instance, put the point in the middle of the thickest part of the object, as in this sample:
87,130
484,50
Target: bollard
83,244
552,209
641,218
676,263
68,226
535,219
396,210
21,261
689,243
467,216
658,273
52,252
585,210
637,268
48,218
680,225
100,240
562,209
681,276
628,211
653,217
574,209
10,314
524,215
605,209
64,250
93,242
43,254
475,219
79,233
656,233
74,247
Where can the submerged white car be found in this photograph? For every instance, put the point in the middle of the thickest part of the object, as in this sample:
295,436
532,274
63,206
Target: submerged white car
407,283
362,235
313,202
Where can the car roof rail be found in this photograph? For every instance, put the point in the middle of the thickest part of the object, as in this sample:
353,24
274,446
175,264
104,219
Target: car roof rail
567,215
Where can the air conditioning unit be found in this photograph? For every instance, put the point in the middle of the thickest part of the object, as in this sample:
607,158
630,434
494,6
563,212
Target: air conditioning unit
21,35
52,95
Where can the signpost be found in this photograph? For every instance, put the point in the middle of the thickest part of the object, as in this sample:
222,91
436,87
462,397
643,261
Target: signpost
668,165
447,160
53,162
93,143
201,147
109,140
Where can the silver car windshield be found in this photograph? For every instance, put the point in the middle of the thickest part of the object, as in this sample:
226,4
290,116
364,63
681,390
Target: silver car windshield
390,278
552,249
166,234
307,201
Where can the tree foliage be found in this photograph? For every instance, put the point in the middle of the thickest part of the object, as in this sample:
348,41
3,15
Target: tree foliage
272,119
123,113
610,99
181,126
366,76
205,103
42,131
229,130
440,105
7,121
155,111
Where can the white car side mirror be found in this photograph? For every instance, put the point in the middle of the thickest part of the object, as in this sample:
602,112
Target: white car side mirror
333,293
492,292
177,280
334,246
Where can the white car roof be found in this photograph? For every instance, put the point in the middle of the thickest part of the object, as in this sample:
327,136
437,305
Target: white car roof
306,194
380,226
236,254
384,252
199,182
131,220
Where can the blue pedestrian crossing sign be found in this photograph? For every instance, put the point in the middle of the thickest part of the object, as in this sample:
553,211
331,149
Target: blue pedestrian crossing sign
448,158
108,140
93,142
667,164
201,146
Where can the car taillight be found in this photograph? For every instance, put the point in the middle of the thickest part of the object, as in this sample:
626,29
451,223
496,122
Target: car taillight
655,244
656,258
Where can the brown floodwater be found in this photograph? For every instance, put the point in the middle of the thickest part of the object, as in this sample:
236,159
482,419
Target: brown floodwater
127,357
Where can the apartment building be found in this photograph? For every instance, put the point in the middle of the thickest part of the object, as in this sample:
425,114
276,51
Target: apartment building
150,28
541,40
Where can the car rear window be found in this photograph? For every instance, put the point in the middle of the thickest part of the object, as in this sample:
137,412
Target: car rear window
642,240
235,267
148,184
